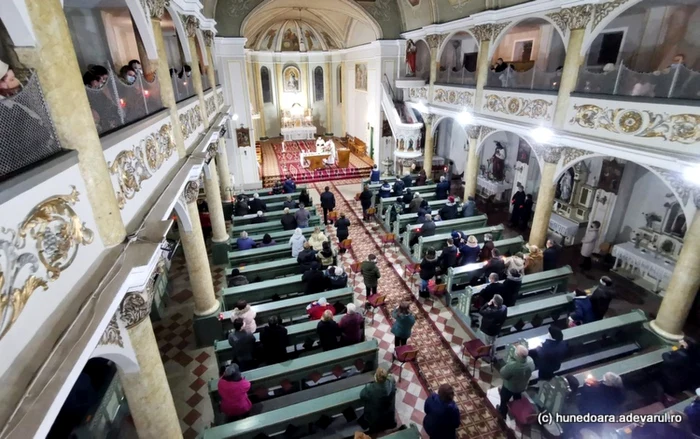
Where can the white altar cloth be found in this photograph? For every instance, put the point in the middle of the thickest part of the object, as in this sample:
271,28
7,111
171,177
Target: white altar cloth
628,257
490,187
299,133
563,226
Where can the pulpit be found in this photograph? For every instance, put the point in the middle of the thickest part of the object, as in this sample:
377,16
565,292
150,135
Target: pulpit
343,157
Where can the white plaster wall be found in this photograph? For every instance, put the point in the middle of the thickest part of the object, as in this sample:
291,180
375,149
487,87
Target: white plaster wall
318,108
452,140
648,195
88,35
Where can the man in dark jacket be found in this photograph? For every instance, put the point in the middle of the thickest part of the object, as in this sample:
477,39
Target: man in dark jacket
493,315
289,203
442,189
407,196
236,279
518,202
449,210
243,344
259,218
428,228
327,203
428,270
399,187
341,227
306,257
469,207
288,221
511,287
365,201
328,332
492,289
441,414
487,248
274,340
370,274
550,256
448,257
242,206
407,181
549,356
256,204
602,296
679,368
495,265
414,205
289,186
314,279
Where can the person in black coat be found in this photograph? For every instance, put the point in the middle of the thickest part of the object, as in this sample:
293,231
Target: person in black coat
495,265
365,201
493,315
550,256
601,397
526,211
259,218
341,227
601,297
327,203
399,187
442,189
492,289
678,368
305,258
242,206
304,198
449,210
289,203
316,282
274,341
289,222
551,354
328,332
428,270
408,196
427,228
256,204
518,201
511,287
407,181
448,257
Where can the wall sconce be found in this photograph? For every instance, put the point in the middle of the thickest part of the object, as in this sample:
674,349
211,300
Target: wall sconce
518,167
602,200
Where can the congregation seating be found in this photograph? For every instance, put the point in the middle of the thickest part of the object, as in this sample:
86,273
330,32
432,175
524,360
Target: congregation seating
271,216
390,179
427,189
266,290
267,191
386,203
260,254
267,227
505,246
408,221
268,270
280,236
439,241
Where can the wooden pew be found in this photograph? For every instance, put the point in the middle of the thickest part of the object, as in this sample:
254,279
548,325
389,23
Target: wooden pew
261,254
626,366
431,198
267,191
625,432
504,246
391,179
439,241
267,227
273,217
408,221
268,270
263,291
292,310
280,236
427,189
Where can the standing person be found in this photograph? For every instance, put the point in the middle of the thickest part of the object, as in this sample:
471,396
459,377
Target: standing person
516,262
493,288
306,258
277,188
407,197
496,265
385,190
245,312
407,180
533,260
327,256
516,376
370,274
304,198
588,245
441,414
493,315
314,279
549,356
583,309
470,251
233,391
679,366
511,288
469,207
414,205
288,221
449,210
422,178
487,248
289,186
327,203
243,344
297,242
241,208
351,326
602,296
526,211
302,216
374,174
550,256
518,202
442,189
428,270
274,340
448,257
379,401
328,331
693,413
398,187
256,204
403,323
365,201
317,239
341,227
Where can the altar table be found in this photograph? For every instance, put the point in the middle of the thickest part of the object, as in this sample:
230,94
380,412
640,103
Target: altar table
628,257
315,159
299,133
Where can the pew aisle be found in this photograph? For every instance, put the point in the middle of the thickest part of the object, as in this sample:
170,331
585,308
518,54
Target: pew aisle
438,341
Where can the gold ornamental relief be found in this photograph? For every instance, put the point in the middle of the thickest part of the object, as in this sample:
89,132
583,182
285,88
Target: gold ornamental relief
680,128
56,232
521,107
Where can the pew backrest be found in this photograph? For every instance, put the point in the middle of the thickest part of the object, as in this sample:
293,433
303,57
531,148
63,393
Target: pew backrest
438,241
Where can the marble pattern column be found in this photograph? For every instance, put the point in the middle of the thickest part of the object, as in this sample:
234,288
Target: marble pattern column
223,170
70,111
191,26
683,286
482,33
195,250
428,148
216,211
472,166
545,197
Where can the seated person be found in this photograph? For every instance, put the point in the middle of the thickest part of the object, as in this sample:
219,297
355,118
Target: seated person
244,242
233,391
267,241
277,188
289,203
306,257
337,278
584,309
236,279
469,207
601,397
549,356
495,264
260,218
256,204
316,309
241,208
449,210
678,366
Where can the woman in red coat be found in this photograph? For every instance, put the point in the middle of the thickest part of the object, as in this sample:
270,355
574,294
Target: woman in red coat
233,390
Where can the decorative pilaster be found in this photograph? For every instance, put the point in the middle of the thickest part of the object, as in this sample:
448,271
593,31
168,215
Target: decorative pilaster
70,110
205,302
684,283
472,166
191,26
433,42
545,197
428,148
329,99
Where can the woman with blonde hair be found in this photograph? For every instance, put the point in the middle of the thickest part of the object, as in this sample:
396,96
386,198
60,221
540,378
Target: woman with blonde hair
328,331
317,239
378,399
534,262
469,251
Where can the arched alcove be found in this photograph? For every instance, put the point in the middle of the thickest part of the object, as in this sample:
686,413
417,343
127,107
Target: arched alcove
450,141
458,59
422,60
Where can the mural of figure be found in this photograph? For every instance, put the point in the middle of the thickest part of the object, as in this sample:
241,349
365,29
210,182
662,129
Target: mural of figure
410,58
309,40
290,42
565,185
293,82
498,162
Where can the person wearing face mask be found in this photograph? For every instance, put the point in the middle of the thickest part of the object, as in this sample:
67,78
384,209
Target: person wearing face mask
9,84
127,74
135,65
185,72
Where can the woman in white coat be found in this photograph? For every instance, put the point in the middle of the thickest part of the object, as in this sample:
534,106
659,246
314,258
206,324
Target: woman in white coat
588,244
297,242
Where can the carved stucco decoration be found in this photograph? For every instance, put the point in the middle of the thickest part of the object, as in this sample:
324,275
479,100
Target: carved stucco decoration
112,334
516,106
602,10
453,97
212,149
474,131
497,28
679,128
576,17
485,131
191,25
418,93
190,120
133,166
219,99
435,40
191,191
136,305
57,234
571,154
210,104
547,153
156,7
208,38
428,118
677,182
381,10
482,32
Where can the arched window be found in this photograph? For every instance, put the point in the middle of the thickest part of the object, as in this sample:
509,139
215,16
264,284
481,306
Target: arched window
318,84
265,84
340,84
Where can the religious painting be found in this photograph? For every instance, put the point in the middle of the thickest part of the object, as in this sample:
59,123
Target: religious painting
291,77
270,38
243,136
565,186
523,152
610,176
411,51
329,41
310,40
497,163
361,76
290,41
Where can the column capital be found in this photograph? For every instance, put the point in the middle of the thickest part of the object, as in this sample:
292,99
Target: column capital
474,131
488,31
575,17
191,191
548,153
428,118
191,25
156,7
208,38
434,40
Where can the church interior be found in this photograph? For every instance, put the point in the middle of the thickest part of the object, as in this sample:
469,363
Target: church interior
343,219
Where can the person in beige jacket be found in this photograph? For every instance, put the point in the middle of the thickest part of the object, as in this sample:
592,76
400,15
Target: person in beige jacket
317,239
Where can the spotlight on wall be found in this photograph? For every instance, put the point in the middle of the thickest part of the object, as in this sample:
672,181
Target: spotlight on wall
542,135
235,116
465,118
692,174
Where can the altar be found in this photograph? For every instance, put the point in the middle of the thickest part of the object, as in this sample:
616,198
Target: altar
567,231
500,189
654,269
304,132
324,155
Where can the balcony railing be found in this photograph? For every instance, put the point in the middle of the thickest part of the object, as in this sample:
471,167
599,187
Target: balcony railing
533,79
675,82
183,87
116,104
461,76
28,134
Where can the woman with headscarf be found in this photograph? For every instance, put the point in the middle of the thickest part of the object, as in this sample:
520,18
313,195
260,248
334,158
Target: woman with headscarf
297,242
233,391
337,278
